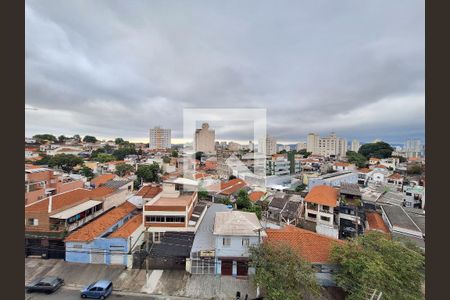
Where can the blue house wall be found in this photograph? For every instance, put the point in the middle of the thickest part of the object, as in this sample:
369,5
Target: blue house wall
80,252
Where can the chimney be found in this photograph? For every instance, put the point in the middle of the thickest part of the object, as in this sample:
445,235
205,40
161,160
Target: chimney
50,200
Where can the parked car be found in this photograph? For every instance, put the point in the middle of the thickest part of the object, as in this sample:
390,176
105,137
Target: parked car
47,285
98,290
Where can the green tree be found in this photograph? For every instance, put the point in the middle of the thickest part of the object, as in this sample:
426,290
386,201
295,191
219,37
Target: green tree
373,261
77,138
126,148
282,273
378,149
61,139
40,138
118,141
254,208
300,187
65,161
166,159
415,169
104,157
304,153
203,194
356,158
174,153
149,173
44,160
123,169
87,172
243,200
89,139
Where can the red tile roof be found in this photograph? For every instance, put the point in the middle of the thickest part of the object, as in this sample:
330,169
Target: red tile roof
103,179
341,164
99,225
128,228
255,196
232,186
395,176
313,247
323,194
101,192
60,201
200,175
364,170
149,191
376,222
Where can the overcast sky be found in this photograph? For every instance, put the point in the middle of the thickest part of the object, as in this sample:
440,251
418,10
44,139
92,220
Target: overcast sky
117,68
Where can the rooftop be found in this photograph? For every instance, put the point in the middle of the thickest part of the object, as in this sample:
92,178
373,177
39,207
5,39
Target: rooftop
101,224
149,191
101,179
398,217
323,194
128,228
376,222
350,189
60,201
313,247
256,195
182,200
237,223
115,184
232,186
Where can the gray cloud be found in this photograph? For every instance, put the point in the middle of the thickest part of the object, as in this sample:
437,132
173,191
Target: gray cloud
114,68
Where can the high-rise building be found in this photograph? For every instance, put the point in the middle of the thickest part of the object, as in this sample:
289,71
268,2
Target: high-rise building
160,138
251,146
355,145
205,139
312,143
269,144
413,148
301,145
326,146
232,146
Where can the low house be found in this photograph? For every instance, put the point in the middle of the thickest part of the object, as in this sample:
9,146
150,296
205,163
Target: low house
351,216
405,224
379,175
319,208
334,179
145,194
102,179
390,163
414,196
235,232
284,208
313,247
203,255
229,189
395,180
374,161
107,239
364,175
257,196
343,166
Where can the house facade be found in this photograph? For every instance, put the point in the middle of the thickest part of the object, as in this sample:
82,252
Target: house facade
234,233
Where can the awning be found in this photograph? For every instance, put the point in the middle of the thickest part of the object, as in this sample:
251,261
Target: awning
64,215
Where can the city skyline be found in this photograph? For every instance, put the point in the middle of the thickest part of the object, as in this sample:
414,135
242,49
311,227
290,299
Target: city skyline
98,74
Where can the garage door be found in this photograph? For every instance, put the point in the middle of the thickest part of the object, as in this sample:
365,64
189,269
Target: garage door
117,258
97,257
227,267
242,268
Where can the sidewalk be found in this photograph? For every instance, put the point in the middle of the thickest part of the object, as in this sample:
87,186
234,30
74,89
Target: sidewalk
174,283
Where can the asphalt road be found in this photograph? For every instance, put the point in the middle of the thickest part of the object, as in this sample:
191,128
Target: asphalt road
72,294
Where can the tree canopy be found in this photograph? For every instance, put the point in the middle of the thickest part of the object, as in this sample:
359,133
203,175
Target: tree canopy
372,261
149,173
123,169
62,139
104,157
45,137
126,148
89,139
174,153
198,155
65,161
243,200
304,153
356,158
378,149
119,141
282,273
415,169
87,172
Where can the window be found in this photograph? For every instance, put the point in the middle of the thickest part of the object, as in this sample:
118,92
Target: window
32,222
157,237
226,242
165,219
408,194
312,216
325,218
324,207
245,242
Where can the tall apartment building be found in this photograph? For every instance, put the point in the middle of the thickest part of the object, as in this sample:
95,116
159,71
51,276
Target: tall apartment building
301,145
312,143
278,165
355,145
326,146
160,138
413,148
205,139
269,144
